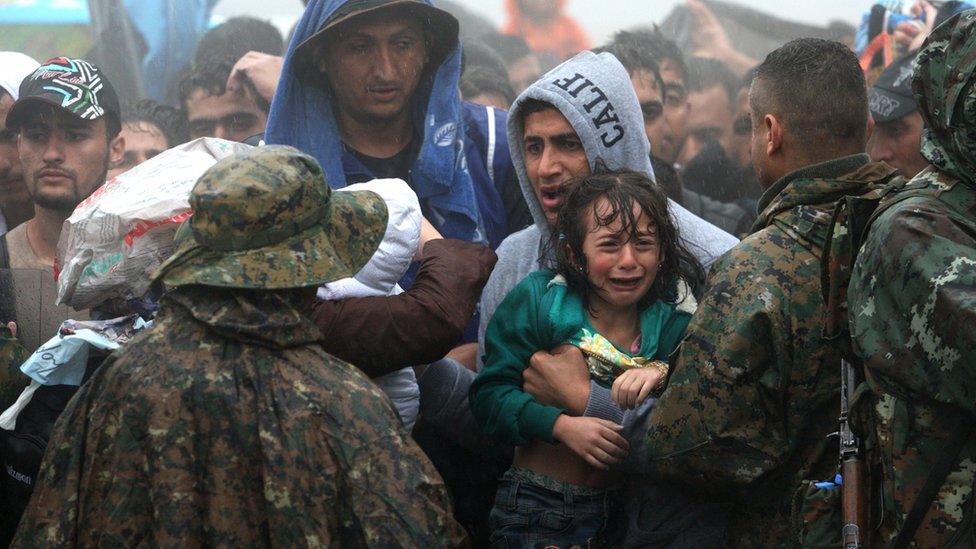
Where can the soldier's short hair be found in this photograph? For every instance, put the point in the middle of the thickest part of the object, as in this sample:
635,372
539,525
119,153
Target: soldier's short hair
817,88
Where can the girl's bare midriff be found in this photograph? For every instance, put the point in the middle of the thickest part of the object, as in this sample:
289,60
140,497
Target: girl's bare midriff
559,462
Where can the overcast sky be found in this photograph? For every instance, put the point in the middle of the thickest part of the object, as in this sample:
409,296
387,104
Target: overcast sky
600,17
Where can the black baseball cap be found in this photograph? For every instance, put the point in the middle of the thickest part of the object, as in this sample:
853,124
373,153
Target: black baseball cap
443,29
74,85
890,98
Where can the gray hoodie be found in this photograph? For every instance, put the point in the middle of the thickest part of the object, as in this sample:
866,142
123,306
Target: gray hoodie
594,93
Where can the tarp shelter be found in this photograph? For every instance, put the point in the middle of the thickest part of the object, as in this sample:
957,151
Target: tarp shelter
140,45
45,28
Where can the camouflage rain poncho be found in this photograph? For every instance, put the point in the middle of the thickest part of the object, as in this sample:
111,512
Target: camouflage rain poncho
913,302
226,424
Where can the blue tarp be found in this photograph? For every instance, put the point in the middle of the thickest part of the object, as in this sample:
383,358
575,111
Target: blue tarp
45,12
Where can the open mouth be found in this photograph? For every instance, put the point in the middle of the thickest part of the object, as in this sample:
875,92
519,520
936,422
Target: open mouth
551,197
627,284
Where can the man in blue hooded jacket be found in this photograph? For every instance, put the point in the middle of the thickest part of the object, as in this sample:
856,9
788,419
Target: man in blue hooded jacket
370,88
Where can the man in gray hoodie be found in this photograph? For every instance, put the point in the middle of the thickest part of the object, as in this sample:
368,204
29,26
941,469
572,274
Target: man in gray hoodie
581,113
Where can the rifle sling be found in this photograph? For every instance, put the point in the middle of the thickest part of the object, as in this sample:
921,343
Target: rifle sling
935,480
4,255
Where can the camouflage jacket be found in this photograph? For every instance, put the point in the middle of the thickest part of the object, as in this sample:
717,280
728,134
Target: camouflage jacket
756,390
227,425
912,302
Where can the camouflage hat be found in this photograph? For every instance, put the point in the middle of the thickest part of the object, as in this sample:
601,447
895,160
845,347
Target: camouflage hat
945,89
267,219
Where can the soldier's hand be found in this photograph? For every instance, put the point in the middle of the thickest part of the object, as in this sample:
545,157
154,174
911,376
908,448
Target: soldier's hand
632,387
12,326
559,378
597,441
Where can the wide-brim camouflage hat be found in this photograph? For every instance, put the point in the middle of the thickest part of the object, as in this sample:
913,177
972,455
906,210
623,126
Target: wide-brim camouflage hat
267,219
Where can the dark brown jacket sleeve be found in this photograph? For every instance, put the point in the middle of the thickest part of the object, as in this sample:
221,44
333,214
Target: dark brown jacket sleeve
382,334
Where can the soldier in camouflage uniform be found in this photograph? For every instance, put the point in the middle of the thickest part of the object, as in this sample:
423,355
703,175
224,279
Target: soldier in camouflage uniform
226,424
913,304
755,390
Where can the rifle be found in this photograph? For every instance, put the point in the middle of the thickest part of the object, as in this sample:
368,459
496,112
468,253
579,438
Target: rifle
853,468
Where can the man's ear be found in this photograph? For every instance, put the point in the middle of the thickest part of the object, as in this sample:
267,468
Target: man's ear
116,150
867,136
774,134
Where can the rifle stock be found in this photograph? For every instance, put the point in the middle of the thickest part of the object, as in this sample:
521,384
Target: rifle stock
854,504
854,500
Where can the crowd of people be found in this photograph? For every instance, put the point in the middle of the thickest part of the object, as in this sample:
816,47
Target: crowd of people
640,289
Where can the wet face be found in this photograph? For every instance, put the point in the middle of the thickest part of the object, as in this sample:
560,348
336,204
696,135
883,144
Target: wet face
898,143
143,140
13,190
710,120
676,110
64,157
651,100
232,115
621,266
375,66
553,155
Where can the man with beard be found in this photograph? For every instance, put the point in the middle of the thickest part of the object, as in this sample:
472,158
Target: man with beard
370,88
68,119
15,204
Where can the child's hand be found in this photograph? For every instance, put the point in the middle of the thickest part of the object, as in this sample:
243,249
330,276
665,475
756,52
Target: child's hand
597,441
631,388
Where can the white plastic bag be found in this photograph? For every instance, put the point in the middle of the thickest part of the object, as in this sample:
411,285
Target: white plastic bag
380,275
122,233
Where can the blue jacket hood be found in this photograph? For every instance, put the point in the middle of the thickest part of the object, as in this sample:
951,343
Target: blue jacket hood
302,116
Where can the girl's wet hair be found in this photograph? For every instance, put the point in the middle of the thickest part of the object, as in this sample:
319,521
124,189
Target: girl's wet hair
621,189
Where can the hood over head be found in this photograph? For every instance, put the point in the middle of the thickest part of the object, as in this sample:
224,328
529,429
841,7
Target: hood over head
594,93
945,89
301,116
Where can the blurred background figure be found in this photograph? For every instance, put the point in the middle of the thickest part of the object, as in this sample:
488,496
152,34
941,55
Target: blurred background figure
897,122
213,110
484,79
546,27
15,202
237,36
148,129
670,134
713,89
523,65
